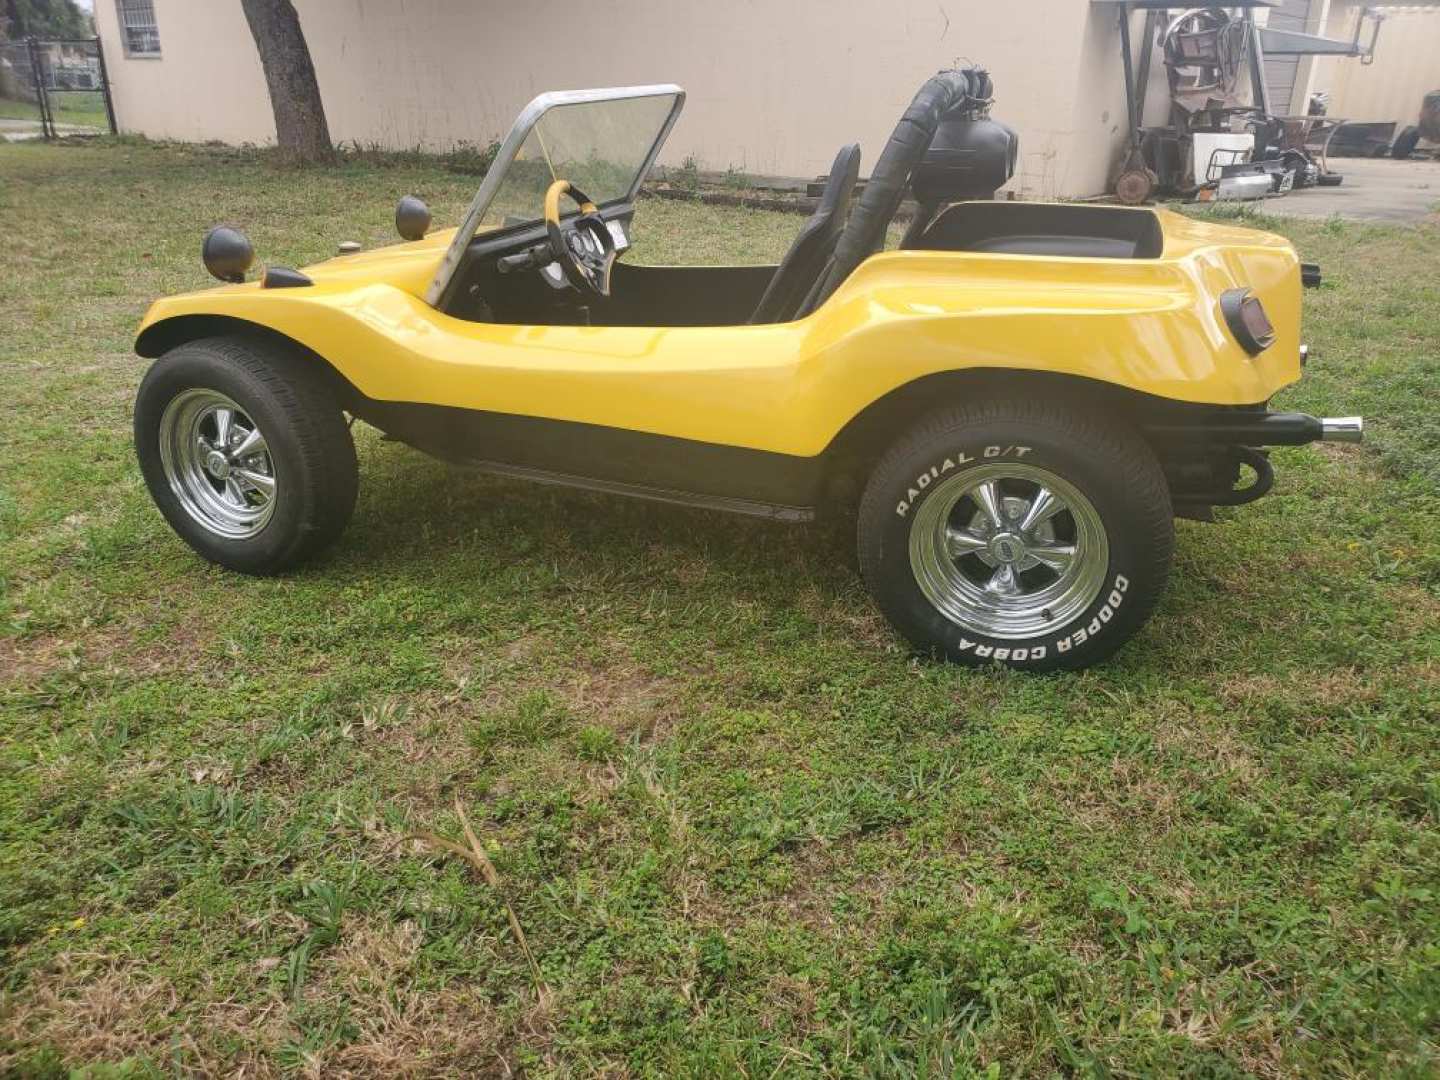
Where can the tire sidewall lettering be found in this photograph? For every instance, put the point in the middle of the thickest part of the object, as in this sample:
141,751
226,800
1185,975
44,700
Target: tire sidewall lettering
950,463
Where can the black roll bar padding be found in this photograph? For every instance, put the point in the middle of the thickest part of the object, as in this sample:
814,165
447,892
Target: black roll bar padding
864,233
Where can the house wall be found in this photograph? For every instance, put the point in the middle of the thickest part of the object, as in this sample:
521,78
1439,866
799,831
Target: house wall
206,83
774,89
1406,67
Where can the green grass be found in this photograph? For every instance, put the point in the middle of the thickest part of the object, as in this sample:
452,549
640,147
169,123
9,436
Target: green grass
744,833
83,108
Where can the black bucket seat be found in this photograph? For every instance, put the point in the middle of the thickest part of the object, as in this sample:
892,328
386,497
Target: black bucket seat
806,260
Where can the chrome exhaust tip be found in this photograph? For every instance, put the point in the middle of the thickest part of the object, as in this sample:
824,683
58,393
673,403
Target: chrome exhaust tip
1349,429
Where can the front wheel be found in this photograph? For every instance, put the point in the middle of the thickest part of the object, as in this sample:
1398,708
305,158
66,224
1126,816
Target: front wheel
245,452
1023,533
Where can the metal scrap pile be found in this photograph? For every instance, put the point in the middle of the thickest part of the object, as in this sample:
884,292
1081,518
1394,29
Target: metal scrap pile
1222,141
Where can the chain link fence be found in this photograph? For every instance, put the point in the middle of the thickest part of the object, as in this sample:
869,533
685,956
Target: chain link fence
51,89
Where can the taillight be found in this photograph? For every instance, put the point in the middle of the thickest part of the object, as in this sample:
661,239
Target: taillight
1246,317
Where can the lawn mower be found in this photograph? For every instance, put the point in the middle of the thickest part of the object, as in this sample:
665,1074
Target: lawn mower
1009,408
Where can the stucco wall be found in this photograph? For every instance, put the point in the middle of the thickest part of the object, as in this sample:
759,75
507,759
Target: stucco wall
1406,67
773,88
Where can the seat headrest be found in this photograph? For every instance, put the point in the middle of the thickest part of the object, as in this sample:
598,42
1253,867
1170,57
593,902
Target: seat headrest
843,175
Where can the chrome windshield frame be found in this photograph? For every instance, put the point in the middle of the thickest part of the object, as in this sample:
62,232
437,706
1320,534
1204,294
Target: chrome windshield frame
525,123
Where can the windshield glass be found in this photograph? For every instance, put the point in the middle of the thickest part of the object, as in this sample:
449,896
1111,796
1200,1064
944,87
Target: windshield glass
602,141
599,146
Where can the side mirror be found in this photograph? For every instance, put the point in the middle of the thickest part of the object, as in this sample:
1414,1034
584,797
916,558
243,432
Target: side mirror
227,253
412,218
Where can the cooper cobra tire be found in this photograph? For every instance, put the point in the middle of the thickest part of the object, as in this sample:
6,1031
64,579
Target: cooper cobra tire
969,560
246,452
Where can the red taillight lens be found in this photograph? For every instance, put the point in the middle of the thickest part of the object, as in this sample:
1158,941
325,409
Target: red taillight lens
1253,314
1246,317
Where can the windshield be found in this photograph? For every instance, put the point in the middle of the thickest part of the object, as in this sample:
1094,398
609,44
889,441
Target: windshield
600,147
602,141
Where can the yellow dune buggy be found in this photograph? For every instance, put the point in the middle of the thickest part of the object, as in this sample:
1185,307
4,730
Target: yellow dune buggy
1013,404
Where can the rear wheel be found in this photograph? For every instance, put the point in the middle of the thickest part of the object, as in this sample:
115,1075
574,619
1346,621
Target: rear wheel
246,452
1017,532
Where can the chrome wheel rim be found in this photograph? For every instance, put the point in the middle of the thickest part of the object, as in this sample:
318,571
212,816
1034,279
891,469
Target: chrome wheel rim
1008,550
218,464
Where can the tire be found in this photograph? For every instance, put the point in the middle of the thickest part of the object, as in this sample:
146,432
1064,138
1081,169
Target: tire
952,595
264,511
1405,143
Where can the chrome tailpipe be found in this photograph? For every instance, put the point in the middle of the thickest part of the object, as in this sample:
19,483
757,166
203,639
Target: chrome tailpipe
1349,429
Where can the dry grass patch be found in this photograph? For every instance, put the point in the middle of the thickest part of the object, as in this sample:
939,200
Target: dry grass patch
401,1030
1207,743
1417,612
412,1033
92,1010
111,650
624,698
1333,689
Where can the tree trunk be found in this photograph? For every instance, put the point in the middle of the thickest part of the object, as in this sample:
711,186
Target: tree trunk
300,128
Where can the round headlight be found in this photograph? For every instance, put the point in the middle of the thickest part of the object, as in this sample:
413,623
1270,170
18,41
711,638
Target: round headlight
1246,317
227,253
412,218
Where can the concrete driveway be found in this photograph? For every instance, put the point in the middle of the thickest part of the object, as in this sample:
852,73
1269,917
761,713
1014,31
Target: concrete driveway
14,130
1375,189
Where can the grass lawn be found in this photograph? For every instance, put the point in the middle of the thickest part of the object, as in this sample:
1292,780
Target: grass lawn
743,832
81,108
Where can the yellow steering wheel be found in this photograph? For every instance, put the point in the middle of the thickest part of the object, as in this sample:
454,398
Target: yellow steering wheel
587,251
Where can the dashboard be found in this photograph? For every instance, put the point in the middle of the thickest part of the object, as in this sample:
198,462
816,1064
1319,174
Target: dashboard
579,241
511,275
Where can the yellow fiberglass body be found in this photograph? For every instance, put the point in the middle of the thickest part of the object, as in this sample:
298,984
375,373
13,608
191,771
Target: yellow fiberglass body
1152,326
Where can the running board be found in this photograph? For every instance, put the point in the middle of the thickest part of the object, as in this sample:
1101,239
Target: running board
773,511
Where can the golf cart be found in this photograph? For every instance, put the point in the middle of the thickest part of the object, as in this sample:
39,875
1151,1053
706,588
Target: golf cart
1013,405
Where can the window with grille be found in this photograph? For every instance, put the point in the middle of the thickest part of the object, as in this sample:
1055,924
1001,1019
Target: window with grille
138,29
